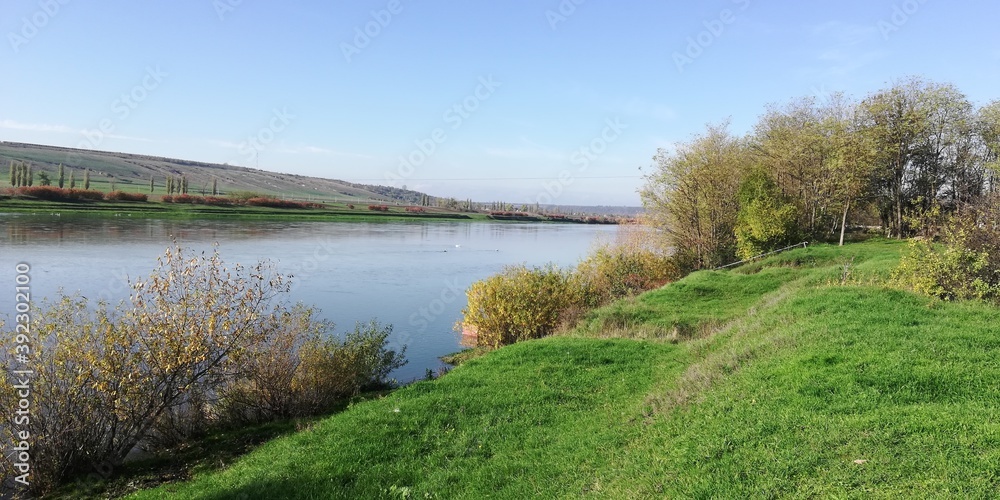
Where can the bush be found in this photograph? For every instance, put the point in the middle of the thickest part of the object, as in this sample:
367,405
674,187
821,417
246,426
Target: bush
964,265
621,269
123,196
518,304
378,208
52,193
186,198
217,201
272,202
416,210
766,220
150,371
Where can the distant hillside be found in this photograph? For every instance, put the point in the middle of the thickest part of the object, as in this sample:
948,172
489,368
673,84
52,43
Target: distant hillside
131,172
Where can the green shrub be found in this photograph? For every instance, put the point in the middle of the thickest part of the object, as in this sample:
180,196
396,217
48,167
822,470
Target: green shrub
766,221
301,370
518,304
150,372
619,270
964,265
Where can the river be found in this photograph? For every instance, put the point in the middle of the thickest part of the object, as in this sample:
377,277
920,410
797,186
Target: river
410,274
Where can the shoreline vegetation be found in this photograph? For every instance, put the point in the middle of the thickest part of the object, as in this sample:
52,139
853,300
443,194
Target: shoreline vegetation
810,372
272,209
836,370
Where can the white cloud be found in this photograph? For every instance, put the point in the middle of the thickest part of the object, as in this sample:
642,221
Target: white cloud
38,127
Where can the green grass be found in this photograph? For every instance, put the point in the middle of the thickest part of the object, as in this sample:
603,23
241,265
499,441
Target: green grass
192,211
547,429
804,376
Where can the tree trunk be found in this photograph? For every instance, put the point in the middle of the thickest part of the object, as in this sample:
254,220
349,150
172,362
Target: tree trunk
843,221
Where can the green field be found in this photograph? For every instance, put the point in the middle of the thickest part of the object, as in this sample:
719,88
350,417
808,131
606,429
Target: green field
798,376
335,212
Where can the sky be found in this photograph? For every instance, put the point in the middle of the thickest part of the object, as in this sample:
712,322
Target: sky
549,101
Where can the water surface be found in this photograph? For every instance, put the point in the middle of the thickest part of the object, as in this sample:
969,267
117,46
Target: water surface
410,274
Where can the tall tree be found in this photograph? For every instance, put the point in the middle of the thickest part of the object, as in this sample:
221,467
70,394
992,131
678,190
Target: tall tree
29,176
152,183
692,196
895,120
86,179
988,131
13,174
72,180
62,175
215,187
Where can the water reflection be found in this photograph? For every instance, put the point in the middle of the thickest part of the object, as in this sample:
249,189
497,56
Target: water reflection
401,273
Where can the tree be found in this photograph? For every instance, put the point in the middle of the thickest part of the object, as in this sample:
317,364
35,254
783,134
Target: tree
988,131
29,176
43,179
184,184
692,196
152,183
62,175
895,121
852,166
13,174
766,220
111,180
72,181
86,179
215,187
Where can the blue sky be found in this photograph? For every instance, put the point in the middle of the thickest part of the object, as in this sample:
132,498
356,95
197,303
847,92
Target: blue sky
521,101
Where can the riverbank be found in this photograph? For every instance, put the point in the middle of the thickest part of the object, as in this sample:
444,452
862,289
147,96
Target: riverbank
802,374
329,213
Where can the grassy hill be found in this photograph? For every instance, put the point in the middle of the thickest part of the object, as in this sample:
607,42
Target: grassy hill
131,173
796,376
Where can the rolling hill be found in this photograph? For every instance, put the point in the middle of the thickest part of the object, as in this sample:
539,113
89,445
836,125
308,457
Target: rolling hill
131,172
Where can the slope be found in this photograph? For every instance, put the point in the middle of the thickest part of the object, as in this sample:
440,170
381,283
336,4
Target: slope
132,172
798,376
